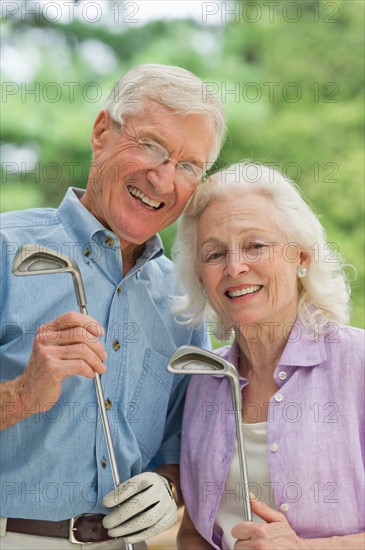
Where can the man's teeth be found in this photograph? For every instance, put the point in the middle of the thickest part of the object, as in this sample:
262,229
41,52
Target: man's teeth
146,200
243,291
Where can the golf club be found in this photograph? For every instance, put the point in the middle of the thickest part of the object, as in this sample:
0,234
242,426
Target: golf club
34,259
193,360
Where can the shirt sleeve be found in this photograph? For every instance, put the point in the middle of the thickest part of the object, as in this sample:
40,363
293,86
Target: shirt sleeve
169,452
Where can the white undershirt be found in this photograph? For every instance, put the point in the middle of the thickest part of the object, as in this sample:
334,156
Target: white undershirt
230,511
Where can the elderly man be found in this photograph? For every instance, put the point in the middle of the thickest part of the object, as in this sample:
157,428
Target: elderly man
151,146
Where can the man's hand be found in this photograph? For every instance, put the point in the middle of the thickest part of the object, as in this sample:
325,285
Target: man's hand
67,346
143,507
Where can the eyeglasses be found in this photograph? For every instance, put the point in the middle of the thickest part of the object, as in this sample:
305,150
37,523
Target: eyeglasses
153,154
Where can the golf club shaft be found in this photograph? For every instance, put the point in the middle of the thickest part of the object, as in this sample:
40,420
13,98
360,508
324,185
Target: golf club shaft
106,428
243,469
237,404
105,421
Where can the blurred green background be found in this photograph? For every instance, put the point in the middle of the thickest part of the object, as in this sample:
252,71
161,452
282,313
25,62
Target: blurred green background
290,75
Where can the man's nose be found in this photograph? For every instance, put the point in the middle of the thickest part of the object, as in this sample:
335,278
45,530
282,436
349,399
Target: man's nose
163,177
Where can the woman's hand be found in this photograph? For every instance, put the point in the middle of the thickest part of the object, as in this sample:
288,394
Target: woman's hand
276,534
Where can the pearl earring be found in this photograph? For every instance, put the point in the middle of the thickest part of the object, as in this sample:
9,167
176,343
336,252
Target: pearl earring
301,271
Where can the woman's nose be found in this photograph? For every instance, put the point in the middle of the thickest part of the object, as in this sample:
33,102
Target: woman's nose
236,264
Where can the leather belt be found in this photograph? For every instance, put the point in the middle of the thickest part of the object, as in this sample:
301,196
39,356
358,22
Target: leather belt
82,529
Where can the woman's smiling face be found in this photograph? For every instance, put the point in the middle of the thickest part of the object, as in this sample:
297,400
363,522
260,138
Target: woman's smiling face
245,261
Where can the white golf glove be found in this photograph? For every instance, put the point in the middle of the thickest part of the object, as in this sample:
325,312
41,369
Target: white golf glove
143,506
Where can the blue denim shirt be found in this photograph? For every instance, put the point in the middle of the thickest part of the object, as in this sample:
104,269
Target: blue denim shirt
53,462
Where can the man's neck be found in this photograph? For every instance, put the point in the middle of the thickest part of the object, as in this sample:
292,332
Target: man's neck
130,254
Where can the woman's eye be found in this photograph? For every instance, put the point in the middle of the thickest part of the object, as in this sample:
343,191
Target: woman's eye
255,246
214,256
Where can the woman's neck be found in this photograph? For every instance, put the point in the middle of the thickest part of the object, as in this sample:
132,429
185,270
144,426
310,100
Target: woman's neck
261,346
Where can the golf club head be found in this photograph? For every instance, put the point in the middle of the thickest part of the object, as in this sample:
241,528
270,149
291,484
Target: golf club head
35,259
194,360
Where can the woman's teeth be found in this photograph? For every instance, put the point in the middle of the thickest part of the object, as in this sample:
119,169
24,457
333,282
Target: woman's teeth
243,291
143,198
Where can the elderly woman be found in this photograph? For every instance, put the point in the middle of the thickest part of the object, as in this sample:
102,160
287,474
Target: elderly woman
255,263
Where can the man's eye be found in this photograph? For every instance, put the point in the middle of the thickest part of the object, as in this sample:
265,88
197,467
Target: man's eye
152,147
189,169
149,146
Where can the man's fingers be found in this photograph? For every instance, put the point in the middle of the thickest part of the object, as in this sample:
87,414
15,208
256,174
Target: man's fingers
133,516
79,367
77,337
142,507
73,329
81,356
135,485
167,521
74,319
123,492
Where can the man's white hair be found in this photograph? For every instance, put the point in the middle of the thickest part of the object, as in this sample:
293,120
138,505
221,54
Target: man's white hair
172,87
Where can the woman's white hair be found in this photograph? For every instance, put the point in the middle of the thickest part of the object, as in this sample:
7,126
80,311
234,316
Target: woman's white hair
172,87
324,294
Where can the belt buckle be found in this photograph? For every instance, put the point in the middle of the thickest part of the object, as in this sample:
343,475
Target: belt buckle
71,535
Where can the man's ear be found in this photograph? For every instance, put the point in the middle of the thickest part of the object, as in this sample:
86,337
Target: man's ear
102,125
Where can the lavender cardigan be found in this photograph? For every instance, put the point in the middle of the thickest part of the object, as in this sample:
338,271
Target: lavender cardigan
315,437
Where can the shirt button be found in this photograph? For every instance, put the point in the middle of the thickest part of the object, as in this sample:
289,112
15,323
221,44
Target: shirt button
119,289
103,463
116,345
274,447
108,404
282,375
109,241
284,507
278,397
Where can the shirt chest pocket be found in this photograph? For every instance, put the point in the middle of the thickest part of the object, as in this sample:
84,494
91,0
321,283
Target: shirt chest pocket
151,399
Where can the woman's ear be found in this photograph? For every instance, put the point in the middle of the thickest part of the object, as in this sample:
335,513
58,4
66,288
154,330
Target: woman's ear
305,258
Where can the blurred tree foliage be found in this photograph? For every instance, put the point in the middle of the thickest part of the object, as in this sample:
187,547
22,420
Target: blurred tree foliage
290,75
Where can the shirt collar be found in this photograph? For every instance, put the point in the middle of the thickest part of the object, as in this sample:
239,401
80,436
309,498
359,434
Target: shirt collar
304,348
85,226
153,248
78,218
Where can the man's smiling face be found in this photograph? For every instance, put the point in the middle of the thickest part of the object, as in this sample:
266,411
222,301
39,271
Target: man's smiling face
126,194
